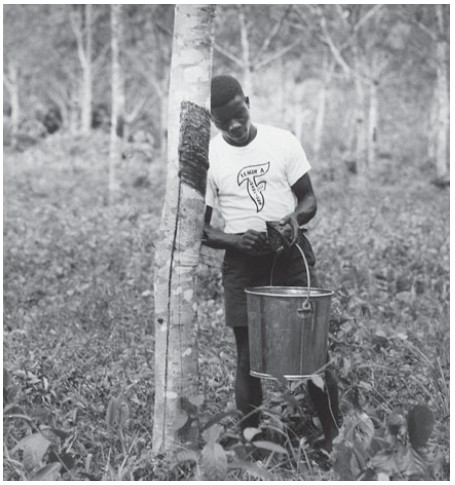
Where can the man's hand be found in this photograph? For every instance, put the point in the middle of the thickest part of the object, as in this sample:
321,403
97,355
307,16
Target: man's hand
290,228
252,242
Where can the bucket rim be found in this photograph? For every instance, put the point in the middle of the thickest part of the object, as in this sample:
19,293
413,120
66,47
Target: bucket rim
290,377
269,291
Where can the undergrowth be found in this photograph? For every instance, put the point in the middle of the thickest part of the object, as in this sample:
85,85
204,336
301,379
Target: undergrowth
78,333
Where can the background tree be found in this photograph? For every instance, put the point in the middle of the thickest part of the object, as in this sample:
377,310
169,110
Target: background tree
433,23
254,50
81,22
24,64
118,97
352,118
148,82
327,69
178,240
348,23
78,318
11,82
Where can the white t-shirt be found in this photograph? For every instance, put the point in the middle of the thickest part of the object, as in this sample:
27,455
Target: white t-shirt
253,183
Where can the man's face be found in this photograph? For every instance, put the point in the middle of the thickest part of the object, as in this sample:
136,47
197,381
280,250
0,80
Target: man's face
233,120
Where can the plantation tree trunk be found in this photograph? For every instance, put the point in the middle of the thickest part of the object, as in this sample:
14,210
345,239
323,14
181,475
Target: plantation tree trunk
179,236
321,109
319,122
359,159
247,82
349,129
163,127
83,31
161,90
87,76
128,118
432,128
442,86
118,99
298,122
74,115
360,155
372,121
283,92
299,115
12,85
58,94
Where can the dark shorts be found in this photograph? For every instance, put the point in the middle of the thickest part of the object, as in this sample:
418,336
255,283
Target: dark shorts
242,271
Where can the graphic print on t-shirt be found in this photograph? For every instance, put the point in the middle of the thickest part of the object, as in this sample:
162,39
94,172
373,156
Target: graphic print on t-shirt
255,188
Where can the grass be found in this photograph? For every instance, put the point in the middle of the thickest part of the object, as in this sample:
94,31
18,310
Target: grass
78,313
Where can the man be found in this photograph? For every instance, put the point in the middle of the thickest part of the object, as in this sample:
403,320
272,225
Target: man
258,173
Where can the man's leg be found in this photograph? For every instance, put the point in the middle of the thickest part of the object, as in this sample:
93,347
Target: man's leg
248,389
326,406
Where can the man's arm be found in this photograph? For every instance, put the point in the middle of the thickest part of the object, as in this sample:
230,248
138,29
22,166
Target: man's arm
249,242
306,204
306,200
216,238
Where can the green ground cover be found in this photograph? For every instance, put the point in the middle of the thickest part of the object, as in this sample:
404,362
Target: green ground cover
78,320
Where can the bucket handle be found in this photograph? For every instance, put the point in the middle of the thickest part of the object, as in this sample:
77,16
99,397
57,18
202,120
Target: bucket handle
306,305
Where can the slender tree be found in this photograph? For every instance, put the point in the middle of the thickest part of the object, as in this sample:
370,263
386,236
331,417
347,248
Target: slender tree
365,42
21,59
81,22
433,21
151,64
118,98
11,82
254,57
327,72
178,240
442,89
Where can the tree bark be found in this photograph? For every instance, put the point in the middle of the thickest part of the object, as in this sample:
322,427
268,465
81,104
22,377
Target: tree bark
178,240
442,86
360,155
118,99
298,122
87,79
355,69
432,128
321,109
372,121
83,33
58,94
299,115
74,114
82,28
12,84
247,83
163,126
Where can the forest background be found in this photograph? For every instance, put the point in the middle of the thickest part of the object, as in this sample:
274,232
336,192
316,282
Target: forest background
366,90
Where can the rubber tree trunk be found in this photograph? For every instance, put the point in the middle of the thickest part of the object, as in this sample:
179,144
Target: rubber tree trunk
118,99
163,126
360,149
86,96
13,88
179,235
247,83
297,110
74,114
321,109
442,137
319,122
372,122
432,128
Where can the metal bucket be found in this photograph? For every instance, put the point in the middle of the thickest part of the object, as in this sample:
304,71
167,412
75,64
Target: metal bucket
288,330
